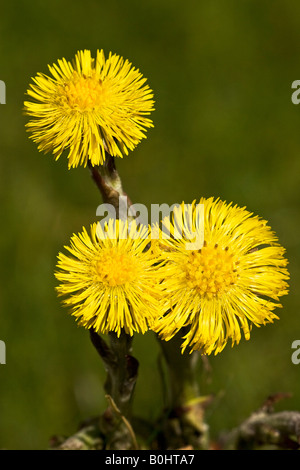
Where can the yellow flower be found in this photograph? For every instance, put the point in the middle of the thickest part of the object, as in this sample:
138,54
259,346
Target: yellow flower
110,279
233,281
89,107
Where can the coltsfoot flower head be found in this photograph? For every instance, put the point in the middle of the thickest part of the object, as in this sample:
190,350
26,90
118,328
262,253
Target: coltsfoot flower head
110,281
89,107
233,281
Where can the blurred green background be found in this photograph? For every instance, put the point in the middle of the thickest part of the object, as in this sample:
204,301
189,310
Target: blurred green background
225,126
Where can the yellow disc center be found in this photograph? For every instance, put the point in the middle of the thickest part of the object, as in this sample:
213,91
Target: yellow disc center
211,270
82,93
114,268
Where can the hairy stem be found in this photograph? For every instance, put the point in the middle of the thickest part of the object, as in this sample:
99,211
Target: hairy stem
120,365
184,424
121,368
108,181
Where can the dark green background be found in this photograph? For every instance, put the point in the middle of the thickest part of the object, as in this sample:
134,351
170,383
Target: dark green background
225,126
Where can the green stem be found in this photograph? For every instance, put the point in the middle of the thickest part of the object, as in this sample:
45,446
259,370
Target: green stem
121,368
184,423
123,373
120,365
109,183
182,371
